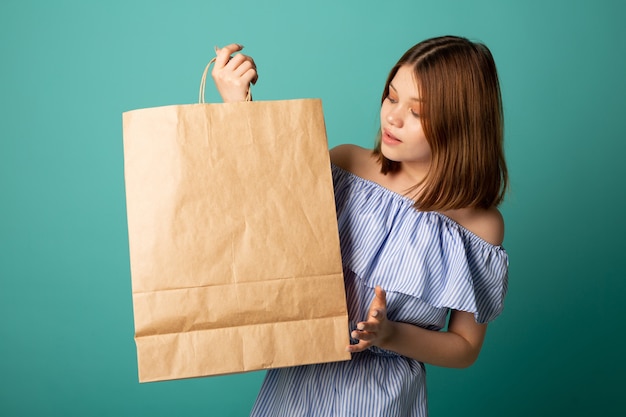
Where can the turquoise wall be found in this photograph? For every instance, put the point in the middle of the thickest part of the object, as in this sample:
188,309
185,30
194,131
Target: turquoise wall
70,68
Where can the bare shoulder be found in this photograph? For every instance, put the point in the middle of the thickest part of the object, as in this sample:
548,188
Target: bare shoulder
350,157
486,224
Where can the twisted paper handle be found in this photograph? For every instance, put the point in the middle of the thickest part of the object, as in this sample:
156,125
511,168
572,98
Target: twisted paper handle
203,84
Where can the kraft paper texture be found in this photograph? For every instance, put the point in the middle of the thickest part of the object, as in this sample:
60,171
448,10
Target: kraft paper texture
234,248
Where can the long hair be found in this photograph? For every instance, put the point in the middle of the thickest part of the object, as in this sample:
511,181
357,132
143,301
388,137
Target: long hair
463,123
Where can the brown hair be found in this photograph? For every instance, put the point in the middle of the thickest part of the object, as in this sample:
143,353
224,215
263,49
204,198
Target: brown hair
463,123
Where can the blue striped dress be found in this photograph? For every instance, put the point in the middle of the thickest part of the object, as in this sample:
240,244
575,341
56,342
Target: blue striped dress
427,264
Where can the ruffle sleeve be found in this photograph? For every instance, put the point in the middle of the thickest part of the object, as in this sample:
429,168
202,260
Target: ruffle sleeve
424,255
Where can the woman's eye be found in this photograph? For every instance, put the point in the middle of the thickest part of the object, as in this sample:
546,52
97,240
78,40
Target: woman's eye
415,113
392,99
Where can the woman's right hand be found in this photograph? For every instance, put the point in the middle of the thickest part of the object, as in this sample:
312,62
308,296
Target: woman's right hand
233,74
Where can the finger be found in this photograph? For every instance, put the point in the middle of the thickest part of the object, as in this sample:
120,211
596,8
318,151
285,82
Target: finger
359,347
239,64
247,70
378,307
223,54
251,76
377,315
363,335
368,326
229,49
381,296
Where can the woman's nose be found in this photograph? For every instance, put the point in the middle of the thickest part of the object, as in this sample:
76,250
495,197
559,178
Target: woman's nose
394,118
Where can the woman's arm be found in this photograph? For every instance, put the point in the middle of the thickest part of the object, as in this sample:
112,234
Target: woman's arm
459,346
456,348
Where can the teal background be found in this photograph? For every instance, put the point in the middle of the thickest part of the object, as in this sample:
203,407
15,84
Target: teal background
70,68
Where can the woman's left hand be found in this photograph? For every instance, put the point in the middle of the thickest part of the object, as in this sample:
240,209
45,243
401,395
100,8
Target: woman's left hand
377,329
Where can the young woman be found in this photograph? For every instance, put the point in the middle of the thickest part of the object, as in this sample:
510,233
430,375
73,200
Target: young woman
419,229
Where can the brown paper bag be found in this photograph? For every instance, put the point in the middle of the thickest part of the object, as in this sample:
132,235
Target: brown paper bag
234,250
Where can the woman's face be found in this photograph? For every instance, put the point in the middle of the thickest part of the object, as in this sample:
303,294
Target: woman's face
403,138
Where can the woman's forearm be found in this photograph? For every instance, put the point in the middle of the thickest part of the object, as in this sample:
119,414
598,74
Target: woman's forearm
456,348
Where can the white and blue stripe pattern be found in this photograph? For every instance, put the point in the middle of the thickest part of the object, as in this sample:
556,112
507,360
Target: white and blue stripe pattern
428,264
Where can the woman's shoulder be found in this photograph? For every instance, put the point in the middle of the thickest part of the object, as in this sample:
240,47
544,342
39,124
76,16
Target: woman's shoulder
487,224
355,159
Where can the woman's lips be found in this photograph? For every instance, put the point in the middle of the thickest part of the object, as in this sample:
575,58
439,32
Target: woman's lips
390,139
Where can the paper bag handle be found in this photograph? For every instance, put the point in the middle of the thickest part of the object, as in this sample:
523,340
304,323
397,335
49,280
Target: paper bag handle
203,84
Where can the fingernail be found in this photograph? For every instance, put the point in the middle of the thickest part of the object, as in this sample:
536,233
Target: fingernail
216,48
354,335
375,313
360,326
